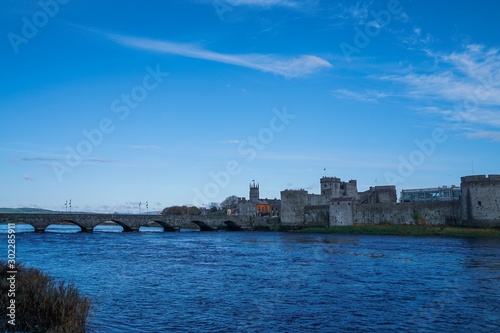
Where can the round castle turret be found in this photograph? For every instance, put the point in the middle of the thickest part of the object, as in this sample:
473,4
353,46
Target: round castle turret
480,200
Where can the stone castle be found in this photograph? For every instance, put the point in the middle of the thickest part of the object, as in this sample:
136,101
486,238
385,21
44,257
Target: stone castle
340,203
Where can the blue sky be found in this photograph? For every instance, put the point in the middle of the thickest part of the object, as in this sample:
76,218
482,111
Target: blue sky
112,103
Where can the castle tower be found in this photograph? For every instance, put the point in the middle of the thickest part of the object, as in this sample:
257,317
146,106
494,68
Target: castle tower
333,187
330,187
480,200
254,191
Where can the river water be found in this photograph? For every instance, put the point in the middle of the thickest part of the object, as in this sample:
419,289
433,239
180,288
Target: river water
272,282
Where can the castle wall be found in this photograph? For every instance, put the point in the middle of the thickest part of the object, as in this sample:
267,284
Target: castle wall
316,216
480,200
387,194
317,200
431,213
293,203
341,213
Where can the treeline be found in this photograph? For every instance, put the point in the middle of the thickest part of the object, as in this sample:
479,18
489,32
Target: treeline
181,210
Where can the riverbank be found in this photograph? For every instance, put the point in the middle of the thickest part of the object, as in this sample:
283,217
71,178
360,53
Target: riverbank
405,230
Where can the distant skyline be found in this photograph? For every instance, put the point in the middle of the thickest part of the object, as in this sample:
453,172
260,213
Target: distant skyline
186,102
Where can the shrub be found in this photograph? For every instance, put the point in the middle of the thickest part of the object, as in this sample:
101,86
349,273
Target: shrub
418,218
42,304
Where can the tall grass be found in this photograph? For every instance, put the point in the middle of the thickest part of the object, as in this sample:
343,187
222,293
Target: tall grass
42,304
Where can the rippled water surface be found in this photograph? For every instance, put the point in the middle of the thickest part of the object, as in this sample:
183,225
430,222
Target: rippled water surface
273,282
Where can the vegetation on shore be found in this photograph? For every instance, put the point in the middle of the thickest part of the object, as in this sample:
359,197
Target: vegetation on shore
408,230
26,211
181,210
41,303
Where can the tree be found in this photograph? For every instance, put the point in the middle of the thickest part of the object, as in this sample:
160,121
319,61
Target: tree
213,207
181,210
230,202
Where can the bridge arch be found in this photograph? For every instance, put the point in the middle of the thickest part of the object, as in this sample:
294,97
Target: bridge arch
25,226
19,220
58,222
203,226
125,227
232,226
167,227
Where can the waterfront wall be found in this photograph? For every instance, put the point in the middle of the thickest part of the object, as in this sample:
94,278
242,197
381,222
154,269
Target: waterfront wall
429,213
342,213
316,216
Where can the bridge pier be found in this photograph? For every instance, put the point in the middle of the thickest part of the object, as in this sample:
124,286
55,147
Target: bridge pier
171,229
129,229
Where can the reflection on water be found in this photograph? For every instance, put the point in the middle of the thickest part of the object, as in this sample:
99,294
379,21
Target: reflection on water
153,281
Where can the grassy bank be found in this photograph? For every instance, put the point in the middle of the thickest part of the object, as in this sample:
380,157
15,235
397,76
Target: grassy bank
409,230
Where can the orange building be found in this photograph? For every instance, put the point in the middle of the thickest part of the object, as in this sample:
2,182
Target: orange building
263,209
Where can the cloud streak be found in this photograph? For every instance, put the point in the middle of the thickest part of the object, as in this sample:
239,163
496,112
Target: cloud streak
144,147
263,3
294,4
364,96
289,67
464,87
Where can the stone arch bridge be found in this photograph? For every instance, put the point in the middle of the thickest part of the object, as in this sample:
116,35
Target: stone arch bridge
130,223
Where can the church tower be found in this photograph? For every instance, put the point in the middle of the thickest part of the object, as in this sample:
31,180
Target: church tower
254,191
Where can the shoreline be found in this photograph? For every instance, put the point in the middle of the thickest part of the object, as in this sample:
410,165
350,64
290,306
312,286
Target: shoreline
405,230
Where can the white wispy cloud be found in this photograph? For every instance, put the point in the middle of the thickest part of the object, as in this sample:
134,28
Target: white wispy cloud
494,136
362,96
358,12
264,3
232,142
258,3
290,67
417,38
144,147
462,86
